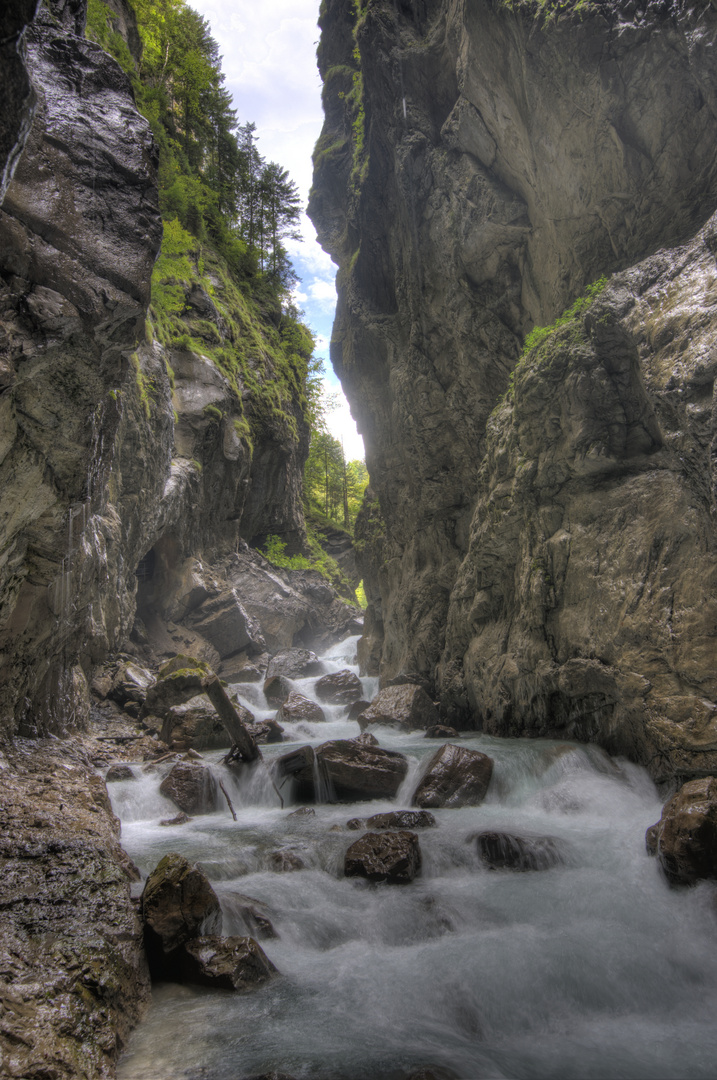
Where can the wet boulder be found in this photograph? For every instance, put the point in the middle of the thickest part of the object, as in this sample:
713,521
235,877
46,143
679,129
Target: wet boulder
180,819
194,725
178,904
231,963
266,731
180,679
407,707
355,771
504,851
391,857
685,837
119,772
346,770
191,787
402,819
442,731
339,688
297,707
294,664
277,689
354,711
366,739
455,776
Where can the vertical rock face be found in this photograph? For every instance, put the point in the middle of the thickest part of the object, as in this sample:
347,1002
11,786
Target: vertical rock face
112,449
478,167
79,232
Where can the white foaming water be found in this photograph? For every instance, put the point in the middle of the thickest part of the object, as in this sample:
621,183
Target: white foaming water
592,969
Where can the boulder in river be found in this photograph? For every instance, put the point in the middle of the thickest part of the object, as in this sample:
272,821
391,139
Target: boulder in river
255,915
119,772
231,963
266,731
277,689
180,819
685,837
297,707
194,725
407,707
456,776
284,860
442,731
504,851
178,904
294,664
348,770
402,819
339,688
354,711
391,857
191,787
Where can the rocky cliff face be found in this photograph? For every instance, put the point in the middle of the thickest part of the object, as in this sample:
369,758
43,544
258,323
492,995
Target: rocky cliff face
550,562
113,449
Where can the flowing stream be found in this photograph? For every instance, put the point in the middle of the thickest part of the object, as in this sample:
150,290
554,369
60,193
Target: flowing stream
591,969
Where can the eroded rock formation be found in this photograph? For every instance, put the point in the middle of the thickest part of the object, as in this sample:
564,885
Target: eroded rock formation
548,563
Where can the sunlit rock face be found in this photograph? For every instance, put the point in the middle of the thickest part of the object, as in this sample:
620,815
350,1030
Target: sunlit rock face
550,565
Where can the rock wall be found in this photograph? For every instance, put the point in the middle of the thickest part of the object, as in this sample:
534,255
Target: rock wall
113,450
479,166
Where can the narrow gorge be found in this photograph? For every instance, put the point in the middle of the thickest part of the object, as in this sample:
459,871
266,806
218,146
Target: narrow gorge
249,830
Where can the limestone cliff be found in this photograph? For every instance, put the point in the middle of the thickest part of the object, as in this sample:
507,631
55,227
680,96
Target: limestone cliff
123,446
551,563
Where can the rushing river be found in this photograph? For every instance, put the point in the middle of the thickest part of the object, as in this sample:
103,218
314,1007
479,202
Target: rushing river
592,969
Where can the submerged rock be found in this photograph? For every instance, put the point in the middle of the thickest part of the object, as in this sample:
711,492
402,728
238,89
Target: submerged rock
294,664
455,776
254,914
391,857
297,707
180,819
503,851
406,706
339,688
178,904
231,963
192,787
284,861
685,837
442,731
402,819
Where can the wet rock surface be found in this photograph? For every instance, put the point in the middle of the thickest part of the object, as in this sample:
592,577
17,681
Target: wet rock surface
685,838
178,905
504,851
75,979
191,787
294,664
297,707
455,776
390,857
231,963
339,688
508,542
347,769
406,706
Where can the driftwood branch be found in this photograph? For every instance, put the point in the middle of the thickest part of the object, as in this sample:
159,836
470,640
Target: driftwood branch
229,802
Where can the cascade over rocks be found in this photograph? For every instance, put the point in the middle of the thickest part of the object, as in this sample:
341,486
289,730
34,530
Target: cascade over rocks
192,787
540,548
348,769
503,851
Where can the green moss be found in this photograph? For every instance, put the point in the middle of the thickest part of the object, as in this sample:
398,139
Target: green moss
549,10
212,413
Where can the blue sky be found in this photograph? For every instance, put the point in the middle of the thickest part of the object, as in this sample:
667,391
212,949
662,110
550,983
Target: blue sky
269,60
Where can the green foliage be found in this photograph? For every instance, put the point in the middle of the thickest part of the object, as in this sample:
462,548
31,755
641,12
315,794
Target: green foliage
550,10
275,552
534,346
361,596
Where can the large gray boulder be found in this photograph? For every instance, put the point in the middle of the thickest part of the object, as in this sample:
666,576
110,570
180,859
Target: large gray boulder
297,707
225,623
407,707
191,787
339,688
231,963
344,769
295,664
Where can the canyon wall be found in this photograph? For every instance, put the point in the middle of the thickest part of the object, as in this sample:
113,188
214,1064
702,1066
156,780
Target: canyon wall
115,452
541,542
